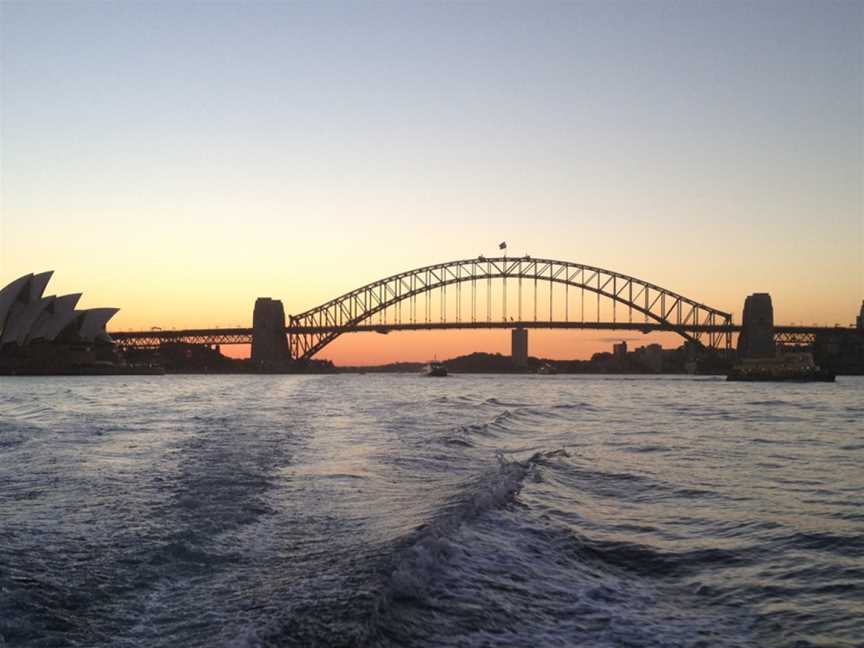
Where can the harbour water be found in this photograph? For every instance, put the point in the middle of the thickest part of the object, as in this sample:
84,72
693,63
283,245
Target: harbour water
397,510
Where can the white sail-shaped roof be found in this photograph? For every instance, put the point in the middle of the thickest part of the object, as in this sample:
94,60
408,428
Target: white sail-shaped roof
69,332
21,319
38,284
94,322
54,318
25,316
43,316
9,295
66,325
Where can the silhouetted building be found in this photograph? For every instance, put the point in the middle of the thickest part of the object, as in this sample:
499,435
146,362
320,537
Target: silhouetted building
519,347
183,357
47,334
756,339
651,357
269,342
26,316
841,351
859,321
619,350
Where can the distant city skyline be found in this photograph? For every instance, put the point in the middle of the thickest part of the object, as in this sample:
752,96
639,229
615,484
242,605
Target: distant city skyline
179,160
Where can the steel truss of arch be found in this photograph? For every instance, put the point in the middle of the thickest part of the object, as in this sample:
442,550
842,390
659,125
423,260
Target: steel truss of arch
386,301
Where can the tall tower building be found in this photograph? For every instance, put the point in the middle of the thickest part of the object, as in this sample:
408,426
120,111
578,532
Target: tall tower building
519,347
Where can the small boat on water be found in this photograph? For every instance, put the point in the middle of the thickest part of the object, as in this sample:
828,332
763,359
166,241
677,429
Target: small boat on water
547,369
435,369
785,367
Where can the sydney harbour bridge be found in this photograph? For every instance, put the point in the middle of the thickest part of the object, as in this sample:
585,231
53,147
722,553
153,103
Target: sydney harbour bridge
485,293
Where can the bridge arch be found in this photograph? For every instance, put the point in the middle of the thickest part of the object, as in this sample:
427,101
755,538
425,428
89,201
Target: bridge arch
314,329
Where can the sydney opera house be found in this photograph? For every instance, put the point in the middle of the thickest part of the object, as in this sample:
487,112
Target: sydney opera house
40,334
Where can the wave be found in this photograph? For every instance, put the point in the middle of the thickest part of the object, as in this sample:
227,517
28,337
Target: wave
14,435
490,563
851,546
646,448
576,406
504,421
496,401
27,412
460,435
423,554
453,440
186,554
456,399
649,561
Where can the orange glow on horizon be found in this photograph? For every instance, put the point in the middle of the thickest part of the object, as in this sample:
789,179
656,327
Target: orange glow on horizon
223,297
369,349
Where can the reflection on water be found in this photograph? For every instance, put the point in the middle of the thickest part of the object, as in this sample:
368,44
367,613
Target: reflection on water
399,511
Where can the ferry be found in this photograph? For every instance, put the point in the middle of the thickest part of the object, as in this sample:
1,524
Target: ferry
786,367
435,369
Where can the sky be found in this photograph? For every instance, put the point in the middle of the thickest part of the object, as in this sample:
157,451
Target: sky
179,159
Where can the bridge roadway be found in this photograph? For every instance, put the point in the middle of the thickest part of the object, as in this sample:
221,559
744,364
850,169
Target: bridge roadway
228,336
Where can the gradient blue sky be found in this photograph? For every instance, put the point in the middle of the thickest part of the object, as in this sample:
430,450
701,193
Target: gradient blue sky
179,159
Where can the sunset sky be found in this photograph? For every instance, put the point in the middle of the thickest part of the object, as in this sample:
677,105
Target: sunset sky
179,159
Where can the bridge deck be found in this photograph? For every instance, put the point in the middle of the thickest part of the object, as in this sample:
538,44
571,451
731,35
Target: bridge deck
229,336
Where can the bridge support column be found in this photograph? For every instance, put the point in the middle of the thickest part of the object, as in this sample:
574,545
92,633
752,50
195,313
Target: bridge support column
269,342
756,339
519,347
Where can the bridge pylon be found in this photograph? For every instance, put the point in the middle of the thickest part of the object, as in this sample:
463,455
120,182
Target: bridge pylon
269,343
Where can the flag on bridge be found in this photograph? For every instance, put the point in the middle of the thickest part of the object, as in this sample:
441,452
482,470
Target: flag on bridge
502,245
